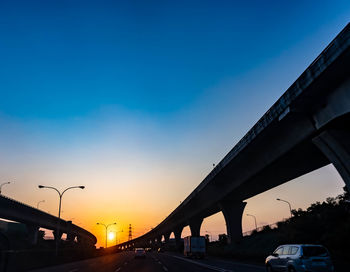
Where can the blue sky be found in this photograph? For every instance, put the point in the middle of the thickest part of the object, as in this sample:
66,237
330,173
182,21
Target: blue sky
139,94
63,59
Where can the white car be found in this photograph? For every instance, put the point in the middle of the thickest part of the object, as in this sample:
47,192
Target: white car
140,253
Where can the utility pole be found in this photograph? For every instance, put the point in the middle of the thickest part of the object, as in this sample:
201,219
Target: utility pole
130,233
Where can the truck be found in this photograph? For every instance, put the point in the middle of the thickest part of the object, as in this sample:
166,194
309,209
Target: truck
194,247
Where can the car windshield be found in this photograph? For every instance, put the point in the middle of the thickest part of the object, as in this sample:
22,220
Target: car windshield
314,251
139,250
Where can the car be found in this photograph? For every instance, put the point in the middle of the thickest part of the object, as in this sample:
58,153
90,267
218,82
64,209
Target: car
140,253
299,258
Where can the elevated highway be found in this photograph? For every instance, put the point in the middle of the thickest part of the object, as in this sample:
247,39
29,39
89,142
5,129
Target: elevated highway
34,219
307,128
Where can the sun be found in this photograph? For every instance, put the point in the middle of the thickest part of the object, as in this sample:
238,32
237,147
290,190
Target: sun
111,235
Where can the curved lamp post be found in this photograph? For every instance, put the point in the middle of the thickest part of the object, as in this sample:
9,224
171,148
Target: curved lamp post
290,207
2,184
106,227
256,226
37,205
59,206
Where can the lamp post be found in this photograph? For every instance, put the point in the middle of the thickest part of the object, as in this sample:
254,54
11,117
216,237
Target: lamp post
2,184
106,227
59,207
37,205
256,226
290,207
116,235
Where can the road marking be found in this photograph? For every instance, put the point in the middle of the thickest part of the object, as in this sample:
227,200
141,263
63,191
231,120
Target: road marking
125,263
73,270
118,269
159,262
164,268
244,264
203,265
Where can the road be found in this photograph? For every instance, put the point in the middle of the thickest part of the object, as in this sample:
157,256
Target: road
154,262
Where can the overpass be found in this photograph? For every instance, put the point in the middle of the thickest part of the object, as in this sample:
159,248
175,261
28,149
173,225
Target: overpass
34,219
307,128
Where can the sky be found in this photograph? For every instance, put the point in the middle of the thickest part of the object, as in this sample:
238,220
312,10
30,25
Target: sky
137,99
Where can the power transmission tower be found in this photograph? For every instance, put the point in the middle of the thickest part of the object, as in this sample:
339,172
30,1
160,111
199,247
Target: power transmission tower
130,233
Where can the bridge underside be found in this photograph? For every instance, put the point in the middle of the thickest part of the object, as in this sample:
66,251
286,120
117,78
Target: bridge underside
310,131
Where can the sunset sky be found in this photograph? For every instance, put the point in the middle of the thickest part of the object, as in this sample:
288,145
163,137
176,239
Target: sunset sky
137,99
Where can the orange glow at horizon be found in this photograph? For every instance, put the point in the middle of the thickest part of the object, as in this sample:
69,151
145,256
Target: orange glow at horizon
144,205
111,236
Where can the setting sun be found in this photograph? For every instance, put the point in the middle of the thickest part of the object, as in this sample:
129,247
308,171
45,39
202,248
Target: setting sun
111,236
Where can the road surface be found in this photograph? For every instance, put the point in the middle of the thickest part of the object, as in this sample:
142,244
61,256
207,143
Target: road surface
153,262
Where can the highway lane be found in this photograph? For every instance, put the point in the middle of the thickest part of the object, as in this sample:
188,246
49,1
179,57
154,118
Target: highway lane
157,262
213,264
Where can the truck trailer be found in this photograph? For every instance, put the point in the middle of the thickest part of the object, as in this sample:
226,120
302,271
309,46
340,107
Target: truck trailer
194,246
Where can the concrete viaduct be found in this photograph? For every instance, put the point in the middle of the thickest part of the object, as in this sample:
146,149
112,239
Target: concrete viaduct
307,128
34,219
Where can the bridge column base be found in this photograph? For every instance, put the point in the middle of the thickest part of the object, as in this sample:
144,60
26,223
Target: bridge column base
56,235
159,241
335,145
232,211
70,237
177,234
166,237
33,232
195,226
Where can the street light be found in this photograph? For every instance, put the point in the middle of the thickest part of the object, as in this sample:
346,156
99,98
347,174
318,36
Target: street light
37,205
3,185
106,226
290,207
59,207
256,226
116,235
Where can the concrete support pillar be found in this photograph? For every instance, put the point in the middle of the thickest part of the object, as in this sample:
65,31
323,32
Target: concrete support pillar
159,240
71,237
195,226
154,242
166,237
177,234
33,232
56,235
335,145
232,211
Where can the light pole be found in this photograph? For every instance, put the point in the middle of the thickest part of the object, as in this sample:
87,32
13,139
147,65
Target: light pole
290,207
37,205
5,183
256,226
116,235
106,227
59,208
